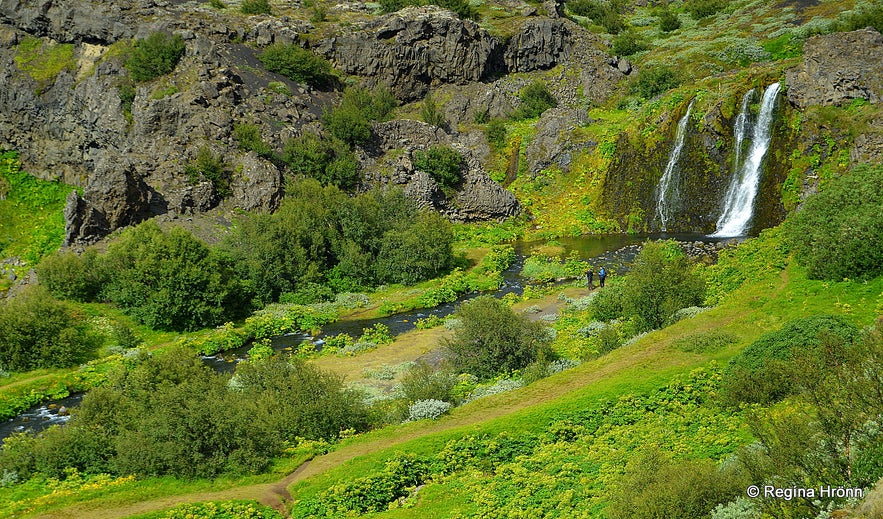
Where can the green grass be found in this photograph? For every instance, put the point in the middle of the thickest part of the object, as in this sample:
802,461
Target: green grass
44,61
31,212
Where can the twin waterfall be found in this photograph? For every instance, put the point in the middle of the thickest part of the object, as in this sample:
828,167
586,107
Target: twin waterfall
739,203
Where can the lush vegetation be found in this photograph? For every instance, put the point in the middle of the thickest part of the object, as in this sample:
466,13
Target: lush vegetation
535,99
44,61
297,63
443,163
331,163
154,56
462,7
839,233
350,120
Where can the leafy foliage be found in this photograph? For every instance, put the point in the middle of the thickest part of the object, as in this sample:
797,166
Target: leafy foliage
329,163
839,233
492,339
39,332
668,20
221,510
496,133
432,113
628,43
422,382
172,281
297,63
699,9
602,13
43,61
154,56
428,409
350,120
248,137
255,7
443,164
68,275
652,81
462,7
210,167
535,99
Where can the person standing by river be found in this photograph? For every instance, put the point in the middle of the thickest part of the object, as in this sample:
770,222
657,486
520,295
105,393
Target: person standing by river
602,275
589,275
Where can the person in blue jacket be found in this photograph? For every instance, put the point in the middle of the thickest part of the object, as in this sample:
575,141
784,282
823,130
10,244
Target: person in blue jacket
602,275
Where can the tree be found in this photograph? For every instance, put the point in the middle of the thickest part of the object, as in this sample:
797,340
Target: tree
350,120
421,251
492,339
443,164
661,282
296,63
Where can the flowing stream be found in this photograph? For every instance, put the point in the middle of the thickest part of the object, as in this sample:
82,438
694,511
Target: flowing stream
667,190
739,204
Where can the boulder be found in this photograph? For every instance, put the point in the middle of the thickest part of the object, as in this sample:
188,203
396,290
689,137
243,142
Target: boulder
71,20
539,44
553,144
837,68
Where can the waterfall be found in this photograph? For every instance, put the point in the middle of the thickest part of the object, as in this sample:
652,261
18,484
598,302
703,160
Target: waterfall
666,193
739,205
739,130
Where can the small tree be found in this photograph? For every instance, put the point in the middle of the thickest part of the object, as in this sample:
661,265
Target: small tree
535,99
431,112
154,56
296,63
492,339
443,164
350,120
668,20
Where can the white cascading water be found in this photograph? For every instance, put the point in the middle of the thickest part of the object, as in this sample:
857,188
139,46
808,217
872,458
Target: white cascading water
739,130
666,193
739,205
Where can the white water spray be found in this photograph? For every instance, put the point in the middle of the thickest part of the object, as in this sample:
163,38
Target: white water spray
739,205
739,131
666,192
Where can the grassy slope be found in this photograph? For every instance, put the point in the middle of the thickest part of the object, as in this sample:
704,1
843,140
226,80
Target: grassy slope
771,298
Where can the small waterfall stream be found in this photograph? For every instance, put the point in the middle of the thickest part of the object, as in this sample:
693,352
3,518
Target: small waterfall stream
667,190
739,131
739,205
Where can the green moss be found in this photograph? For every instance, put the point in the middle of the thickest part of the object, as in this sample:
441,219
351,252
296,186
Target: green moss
44,61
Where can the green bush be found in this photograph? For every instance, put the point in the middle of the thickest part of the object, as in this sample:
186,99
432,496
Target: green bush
496,133
492,339
423,382
535,99
868,15
68,275
154,56
38,332
172,281
668,20
443,164
248,137
462,7
628,43
210,167
329,163
600,12
652,81
350,120
255,7
220,510
431,113
838,233
765,371
606,304
297,63
699,9
422,250
660,282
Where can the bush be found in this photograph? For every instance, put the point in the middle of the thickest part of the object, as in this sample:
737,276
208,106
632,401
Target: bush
652,81
838,233
496,133
296,63
606,305
255,7
661,282
443,164
39,332
350,120
492,339
603,14
699,9
248,137
172,281
329,163
765,371
427,409
68,275
431,113
423,250
210,167
462,7
868,15
422,382
668,20
154,56
628,43
535,99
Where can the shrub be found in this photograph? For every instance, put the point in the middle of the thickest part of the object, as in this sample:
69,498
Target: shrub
377,334
427,409
248,137
606,305
255,7
652,81
210,167
535,99
628,43
462,7
660,282
375,493
431,113
221,510
668,20
699,9
868,15
765,370
603,14
68,275
705,342
423,382
443,164
496,133
296,63
492,339
423,250
172,281
154,56
350,120
329,163
38,332
608,339
838,233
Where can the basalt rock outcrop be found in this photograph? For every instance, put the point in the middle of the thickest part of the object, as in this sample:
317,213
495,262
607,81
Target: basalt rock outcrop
412,49
838,68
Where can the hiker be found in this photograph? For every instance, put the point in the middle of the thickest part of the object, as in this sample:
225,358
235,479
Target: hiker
589,275
602,275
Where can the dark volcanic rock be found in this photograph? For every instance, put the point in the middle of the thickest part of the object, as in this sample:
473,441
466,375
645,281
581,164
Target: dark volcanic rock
414,48
552,143
539,44
70,20
838,67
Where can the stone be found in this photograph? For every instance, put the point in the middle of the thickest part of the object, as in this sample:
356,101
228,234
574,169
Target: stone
837,68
